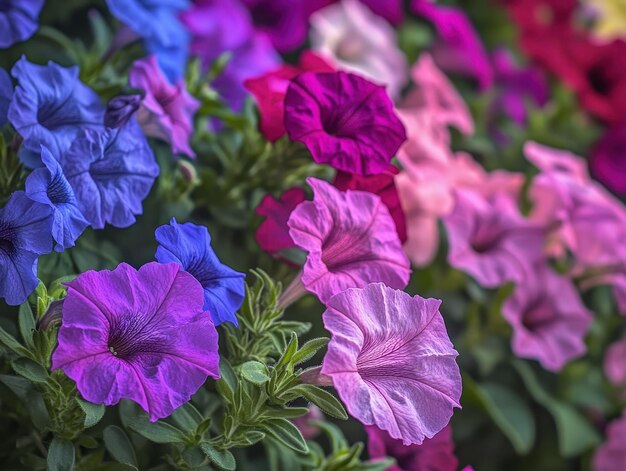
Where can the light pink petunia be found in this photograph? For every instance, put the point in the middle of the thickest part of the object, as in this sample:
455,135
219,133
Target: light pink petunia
166,111
391,361
351,241
549,160
489,239
548,318
611,456
357,40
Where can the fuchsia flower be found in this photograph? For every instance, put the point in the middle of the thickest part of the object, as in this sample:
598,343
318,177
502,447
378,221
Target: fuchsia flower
382,185
273,233
614,365
435,454
344,120
166,111
611,456
391,361
548,318
139,335
607,159
269,91
490,240
351,241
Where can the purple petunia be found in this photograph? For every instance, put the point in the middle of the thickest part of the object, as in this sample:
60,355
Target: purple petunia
25,228
19,20
284,21
48,185
189,245
6,92
611,455
120,109
137,334
391,361
344,120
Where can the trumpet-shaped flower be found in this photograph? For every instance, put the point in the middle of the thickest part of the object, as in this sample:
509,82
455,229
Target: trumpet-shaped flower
344,120
391,361
189,246
137,334
351,241
19,20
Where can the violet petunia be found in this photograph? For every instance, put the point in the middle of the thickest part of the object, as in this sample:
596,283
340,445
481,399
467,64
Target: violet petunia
435,454
137,334
611,455
344,120
6,92
548,318
120,109
391,361
189,245
166,111
284,21
19,19
25,233
490,240
48,185
351,240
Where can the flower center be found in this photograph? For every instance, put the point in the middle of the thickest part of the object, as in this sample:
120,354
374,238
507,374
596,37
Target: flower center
7,238
59,191
538,316
133,334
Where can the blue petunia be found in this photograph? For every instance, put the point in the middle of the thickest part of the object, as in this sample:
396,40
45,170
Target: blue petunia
156,21
51,106
189,245
25,233
19,20
6,92
111,172
48,185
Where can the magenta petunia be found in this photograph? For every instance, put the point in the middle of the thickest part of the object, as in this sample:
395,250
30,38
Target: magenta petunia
344,120
166,111
435,454
548,318
391,361
611,456
139,335
489,239
273,233
351,241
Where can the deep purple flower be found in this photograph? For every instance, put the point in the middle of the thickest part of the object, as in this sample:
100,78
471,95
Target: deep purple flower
48,185
25,233
189,246
391,361
51,106
344,120
111,173
139,335
19,20
120,109
608,159
284,21
6,92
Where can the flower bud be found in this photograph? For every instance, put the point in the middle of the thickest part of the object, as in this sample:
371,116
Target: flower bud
120,109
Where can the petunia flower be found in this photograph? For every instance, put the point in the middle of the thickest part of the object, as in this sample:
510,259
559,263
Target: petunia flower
344,120
139,335
611,455
548,318
490,240
111,173
166,111
435,454
351,241
6,92
25,233
51,106
273,233
359,41
189,246
48,185
562,162
614,366
391,361
19,19
606,160
269,91
120,109
284,21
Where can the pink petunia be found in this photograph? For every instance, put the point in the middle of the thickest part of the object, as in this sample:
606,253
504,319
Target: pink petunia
489,239
549,160
614,365
391,361
350,240
611,456
166,111
344,120
548,318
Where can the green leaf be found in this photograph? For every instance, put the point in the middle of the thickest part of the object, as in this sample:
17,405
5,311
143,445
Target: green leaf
250,437
20,386
327,402
119,445
9,341
335,436
26,322
254,372
30,370
309,350
223,459
157,432
61,455
286,433
194,456
93,412
287,412
187,418
38,410
381,465
291,350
